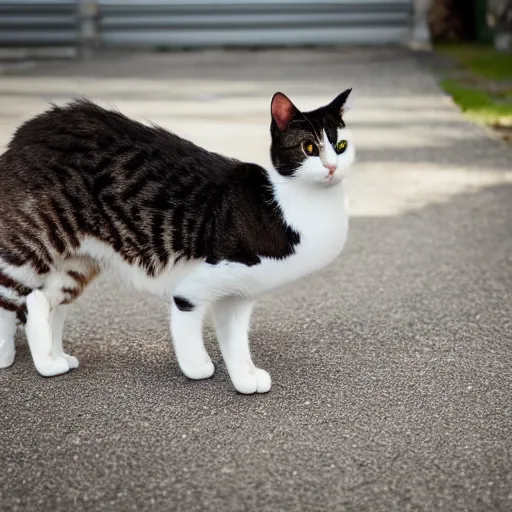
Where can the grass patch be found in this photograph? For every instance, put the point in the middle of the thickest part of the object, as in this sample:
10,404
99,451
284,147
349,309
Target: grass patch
482,83
482,60
478,104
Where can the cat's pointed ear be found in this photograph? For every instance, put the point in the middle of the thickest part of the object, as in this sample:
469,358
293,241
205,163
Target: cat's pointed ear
283,110
342,103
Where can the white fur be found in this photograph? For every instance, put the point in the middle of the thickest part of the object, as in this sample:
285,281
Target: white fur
232,317
8,321
39,336
7,333
328,156
111,261
187,336
57,320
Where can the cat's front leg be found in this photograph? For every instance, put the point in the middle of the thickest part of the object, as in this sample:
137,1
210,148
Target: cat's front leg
187,336
232,318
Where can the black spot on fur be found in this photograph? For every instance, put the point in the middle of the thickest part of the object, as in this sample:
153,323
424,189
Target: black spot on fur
183,304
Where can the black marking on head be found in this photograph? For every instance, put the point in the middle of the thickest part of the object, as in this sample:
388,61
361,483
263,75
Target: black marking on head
292,130
183,304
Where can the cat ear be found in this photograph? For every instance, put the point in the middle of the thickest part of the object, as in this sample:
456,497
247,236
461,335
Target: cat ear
342,103
283,110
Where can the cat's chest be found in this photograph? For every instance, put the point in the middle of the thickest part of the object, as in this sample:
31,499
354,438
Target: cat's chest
322,237
323,232
322,224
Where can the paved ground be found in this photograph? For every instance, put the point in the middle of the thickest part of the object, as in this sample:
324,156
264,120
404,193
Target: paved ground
391,369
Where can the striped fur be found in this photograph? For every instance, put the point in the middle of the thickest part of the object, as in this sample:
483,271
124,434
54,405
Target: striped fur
82,173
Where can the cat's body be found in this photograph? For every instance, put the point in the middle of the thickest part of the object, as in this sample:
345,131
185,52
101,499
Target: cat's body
86,190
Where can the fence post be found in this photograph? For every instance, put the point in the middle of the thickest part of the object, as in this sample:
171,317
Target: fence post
420,32
88,27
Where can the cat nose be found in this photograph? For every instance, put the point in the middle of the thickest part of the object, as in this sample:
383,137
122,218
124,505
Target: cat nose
330,167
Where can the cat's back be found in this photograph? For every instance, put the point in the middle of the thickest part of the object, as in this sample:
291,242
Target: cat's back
80,127
82,136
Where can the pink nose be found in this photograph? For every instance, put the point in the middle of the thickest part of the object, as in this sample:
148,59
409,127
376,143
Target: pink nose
330,167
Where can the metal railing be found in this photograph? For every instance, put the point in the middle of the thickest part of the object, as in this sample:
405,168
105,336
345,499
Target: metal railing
199,23
85,24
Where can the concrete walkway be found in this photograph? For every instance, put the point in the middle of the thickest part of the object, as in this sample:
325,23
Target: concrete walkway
391,369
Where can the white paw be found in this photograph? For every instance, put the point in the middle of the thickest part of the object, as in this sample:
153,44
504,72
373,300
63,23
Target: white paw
198,371
7,358
53,367
255,380
71,360
38,305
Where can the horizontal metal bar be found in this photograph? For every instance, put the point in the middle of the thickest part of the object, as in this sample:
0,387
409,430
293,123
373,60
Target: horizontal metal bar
278,7
46,3
261,37
37,37
184,22
236,3
36,10
29,22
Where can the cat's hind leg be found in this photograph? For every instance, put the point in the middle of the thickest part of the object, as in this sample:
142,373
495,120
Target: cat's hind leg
8,324
16,282
187,336
39,336
46,313
61,288
232,318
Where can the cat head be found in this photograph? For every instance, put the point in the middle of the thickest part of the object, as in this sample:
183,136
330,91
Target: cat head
314,147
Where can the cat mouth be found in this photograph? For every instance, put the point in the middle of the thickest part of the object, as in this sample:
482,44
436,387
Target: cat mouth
334,177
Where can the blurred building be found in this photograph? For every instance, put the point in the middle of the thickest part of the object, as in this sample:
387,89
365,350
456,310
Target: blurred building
167,24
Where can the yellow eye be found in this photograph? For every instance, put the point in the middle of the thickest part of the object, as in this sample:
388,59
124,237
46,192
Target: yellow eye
310,148
341,146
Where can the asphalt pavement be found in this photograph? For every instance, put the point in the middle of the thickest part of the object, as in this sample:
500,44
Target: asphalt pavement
391,369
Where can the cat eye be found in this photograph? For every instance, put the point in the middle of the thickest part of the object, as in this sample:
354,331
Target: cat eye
310,148
341,146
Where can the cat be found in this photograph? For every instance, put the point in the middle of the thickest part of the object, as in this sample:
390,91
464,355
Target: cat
86,190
